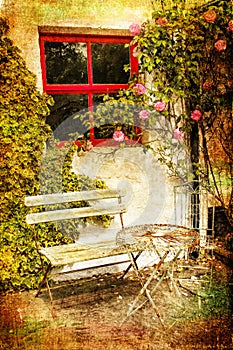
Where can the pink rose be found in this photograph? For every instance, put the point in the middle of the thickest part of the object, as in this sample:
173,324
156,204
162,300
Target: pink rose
161,21
135,28
178,135
118,136
196,115
230,26
139,89
220,45
160,106
143,115
210,16
207,86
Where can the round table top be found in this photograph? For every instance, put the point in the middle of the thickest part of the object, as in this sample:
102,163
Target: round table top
158,235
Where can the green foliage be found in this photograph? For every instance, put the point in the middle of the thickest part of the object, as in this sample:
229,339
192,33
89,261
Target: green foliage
23,131
56,175
23,110
215,299
8,265
22,123
212,298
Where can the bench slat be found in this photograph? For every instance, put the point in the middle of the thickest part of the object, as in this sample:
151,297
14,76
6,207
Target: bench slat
73,213
66,197
72,253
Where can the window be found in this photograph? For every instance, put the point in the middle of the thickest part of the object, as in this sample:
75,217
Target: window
79,69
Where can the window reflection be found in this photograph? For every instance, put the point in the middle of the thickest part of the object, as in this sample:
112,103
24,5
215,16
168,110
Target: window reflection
64,109
108,62
103,131
66,63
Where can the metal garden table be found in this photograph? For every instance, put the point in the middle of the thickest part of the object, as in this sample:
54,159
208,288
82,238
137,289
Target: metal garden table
167,242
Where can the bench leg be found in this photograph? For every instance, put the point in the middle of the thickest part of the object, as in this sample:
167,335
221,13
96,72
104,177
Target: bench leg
45,281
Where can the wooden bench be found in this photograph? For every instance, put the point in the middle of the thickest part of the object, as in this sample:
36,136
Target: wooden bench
51,206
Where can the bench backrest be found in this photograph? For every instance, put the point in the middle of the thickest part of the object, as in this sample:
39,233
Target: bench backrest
97,200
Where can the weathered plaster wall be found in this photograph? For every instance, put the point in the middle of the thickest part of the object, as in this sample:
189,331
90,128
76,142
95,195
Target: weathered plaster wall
149,198
149,191
25,17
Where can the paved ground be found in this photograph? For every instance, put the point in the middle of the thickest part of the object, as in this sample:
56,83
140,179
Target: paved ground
89,314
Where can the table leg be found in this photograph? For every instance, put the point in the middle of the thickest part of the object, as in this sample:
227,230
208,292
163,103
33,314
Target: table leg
130,265
144,288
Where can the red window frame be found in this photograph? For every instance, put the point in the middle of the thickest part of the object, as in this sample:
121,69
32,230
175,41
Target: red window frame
88,89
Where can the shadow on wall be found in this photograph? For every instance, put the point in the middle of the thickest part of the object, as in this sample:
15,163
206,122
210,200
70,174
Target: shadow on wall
221,224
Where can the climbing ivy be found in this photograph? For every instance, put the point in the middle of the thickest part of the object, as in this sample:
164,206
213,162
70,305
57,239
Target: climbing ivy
23,132
23,110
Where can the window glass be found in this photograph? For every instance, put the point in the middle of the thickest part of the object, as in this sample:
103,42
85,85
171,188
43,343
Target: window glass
107,130
64,109
66,63
78,71
108,62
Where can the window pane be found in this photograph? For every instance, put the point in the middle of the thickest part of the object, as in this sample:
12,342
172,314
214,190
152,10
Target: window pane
64,109
105,130
66,63
108,62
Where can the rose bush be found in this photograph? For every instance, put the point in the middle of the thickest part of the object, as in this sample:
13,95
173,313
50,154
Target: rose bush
230,25
178,134
196,115
207,86
188,55
144,114
139,89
